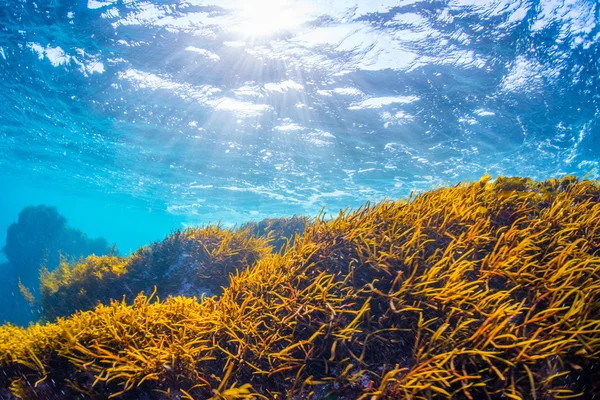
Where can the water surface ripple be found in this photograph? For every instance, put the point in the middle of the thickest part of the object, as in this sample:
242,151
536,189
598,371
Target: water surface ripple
221,110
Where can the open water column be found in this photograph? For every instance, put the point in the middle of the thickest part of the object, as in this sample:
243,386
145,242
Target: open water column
311,199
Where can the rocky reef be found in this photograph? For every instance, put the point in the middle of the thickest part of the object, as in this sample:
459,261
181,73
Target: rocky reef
190,262
480,290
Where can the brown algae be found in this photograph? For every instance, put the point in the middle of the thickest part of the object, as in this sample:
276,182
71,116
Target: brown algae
481,290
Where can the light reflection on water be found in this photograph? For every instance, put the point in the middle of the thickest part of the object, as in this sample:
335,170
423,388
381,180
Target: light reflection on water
235,110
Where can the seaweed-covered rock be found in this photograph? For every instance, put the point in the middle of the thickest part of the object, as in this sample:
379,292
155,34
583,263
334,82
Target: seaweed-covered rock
467,292
190,262
280,231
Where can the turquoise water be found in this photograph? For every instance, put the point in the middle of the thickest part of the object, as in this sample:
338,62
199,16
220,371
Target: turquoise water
135,118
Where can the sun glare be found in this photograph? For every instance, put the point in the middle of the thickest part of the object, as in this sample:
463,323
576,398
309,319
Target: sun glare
263,17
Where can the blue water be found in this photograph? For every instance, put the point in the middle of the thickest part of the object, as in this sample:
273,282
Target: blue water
135,118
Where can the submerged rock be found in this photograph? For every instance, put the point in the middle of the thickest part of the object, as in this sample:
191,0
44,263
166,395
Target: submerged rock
40,237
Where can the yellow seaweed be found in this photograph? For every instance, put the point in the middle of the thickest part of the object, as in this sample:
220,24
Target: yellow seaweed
481,290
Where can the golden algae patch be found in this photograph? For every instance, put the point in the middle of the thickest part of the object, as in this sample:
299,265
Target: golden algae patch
189,262
481,290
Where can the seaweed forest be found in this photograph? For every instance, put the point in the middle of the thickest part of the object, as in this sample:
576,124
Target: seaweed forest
483,290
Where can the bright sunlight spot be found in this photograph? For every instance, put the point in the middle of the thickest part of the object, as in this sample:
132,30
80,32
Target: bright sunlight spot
263,17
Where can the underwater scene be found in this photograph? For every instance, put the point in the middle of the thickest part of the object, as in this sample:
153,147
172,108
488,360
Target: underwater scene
305,200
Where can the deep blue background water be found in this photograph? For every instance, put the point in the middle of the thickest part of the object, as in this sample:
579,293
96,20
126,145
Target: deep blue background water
137,117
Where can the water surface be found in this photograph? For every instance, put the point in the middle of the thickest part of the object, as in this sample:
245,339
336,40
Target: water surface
138,117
